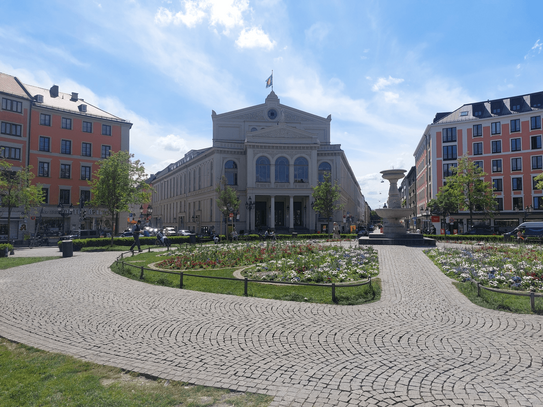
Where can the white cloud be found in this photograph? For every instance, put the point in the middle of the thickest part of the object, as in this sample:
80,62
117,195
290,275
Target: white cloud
384,82
538,45
317,32
254,38
391,97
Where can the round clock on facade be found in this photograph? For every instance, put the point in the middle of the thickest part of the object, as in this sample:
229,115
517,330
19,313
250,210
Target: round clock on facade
272,114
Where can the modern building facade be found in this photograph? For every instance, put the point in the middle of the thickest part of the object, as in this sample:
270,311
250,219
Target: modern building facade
503,137
62,137
272,155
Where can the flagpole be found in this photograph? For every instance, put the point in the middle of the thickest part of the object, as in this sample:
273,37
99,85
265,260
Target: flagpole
272,80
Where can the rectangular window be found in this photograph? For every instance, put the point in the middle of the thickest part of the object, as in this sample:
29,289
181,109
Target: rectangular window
449,135
10,153
65,170
538,202
535,122
516,164
87,127
11,129
85,196
517,183
85,172
496,128
45,194
45,144
517,204
537,162
12,105
499,202
86,149
515,144
497,184
535,142
496,146
106,130
64,197
479,164
477,130
45,119
449,152
66,147
478,148
43,169
106,151
515,125
447,170
66,123
535,183
497,165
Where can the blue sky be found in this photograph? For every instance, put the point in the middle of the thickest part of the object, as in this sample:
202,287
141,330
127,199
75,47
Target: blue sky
382,68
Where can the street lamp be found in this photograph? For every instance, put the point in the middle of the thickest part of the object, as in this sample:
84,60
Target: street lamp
527,211
64,212
249,205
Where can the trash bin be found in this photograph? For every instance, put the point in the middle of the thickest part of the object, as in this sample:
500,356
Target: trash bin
192,238
67,248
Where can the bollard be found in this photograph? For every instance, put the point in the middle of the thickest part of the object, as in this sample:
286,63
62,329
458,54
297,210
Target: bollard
333,292
181,280
245,288
141,274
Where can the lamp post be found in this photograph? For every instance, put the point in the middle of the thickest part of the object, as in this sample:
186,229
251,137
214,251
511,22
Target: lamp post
147,215
249,205
64,212
527,211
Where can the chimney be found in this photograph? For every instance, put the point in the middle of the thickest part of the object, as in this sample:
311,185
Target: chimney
75,97
82,108
53,92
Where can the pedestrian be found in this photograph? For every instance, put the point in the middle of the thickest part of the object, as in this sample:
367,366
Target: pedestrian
136,229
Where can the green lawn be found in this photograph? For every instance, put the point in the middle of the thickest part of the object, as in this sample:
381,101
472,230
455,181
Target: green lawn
31,377
323,295
8,262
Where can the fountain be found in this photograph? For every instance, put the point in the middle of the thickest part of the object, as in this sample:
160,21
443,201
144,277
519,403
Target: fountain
394,233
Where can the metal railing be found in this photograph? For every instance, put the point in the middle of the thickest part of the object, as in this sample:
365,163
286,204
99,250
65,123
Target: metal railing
532,295
245,280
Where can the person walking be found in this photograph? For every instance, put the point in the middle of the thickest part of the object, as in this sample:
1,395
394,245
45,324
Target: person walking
136,229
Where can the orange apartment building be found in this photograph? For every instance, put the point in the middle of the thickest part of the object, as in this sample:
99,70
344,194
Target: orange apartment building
62,137
504,138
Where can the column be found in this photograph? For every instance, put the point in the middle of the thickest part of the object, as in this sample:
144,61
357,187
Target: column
272,212
291,214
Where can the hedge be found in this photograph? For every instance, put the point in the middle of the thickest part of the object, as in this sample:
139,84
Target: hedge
478,238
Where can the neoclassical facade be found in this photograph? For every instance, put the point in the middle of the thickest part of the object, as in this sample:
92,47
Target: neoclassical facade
272,155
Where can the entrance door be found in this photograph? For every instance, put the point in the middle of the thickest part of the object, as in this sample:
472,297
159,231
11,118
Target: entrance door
298,214
280,214
260,215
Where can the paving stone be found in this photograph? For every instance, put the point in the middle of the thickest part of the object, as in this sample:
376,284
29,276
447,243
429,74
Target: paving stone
422,344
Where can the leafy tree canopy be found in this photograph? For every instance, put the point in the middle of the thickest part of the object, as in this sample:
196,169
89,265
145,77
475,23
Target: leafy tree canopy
326,197
227,199
465,190
119,182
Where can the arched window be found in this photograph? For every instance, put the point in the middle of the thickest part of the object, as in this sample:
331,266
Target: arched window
262,169
254,129
281,170
323,169
301,172
231,172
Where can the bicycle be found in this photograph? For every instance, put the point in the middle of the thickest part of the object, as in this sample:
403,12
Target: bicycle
35,242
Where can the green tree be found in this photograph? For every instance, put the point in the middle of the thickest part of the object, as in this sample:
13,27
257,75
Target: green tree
16,189
326,197
465,190
118,182
227,200
539,180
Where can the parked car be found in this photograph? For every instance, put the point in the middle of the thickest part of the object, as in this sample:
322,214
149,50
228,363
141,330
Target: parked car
532,230
183,232
125,234
480,230
169,231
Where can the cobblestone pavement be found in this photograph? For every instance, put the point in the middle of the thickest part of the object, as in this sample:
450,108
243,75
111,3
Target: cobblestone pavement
422,344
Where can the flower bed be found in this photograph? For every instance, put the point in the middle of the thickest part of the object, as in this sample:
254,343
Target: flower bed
504,267
292,262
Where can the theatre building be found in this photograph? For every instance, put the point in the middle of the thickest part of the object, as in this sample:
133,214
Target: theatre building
503,137
272,155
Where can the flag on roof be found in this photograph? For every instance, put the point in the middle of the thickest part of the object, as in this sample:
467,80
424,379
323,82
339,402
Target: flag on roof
269,81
